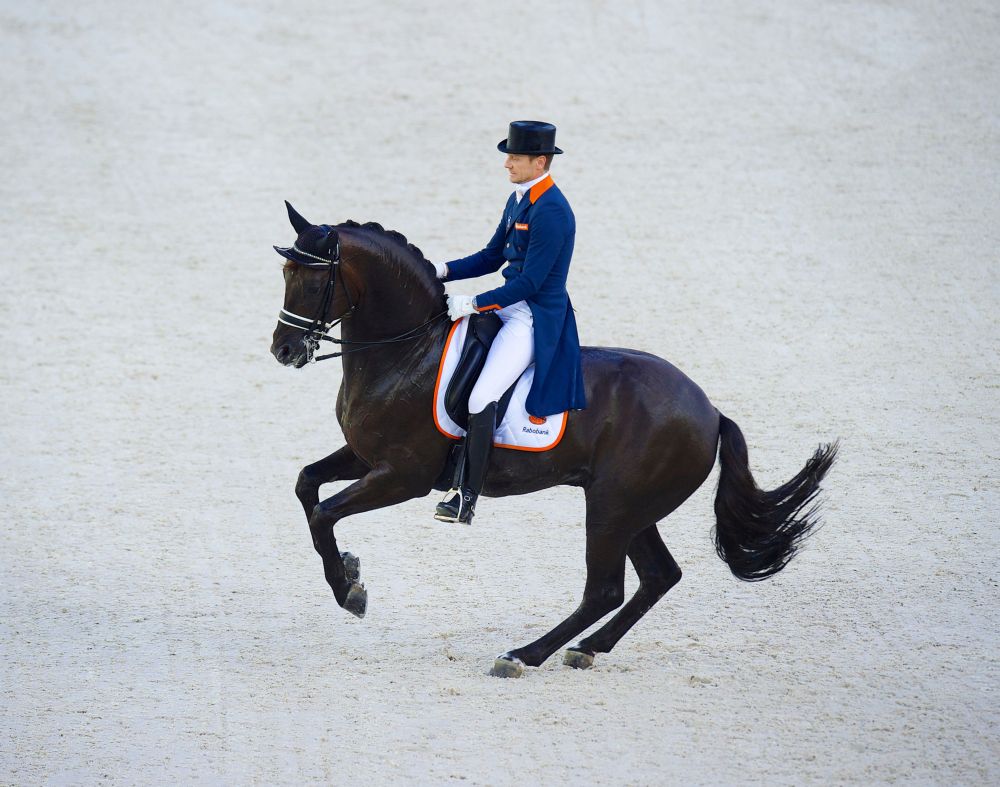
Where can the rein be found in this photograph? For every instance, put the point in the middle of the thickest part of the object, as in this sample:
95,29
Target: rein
317,329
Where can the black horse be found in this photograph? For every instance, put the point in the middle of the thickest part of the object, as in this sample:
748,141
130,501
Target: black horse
647,440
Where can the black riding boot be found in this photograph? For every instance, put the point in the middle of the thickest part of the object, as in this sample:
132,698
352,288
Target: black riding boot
479,443
447,510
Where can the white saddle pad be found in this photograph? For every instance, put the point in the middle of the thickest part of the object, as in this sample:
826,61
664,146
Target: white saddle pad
517,430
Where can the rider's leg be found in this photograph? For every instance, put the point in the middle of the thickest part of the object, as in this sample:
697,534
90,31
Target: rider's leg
479,444
512,352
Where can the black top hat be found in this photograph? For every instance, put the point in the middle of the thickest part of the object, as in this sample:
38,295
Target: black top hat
530,137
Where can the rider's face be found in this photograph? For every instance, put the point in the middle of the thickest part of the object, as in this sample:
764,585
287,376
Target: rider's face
523,168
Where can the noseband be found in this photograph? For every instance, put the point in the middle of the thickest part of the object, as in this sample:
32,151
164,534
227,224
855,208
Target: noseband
317,329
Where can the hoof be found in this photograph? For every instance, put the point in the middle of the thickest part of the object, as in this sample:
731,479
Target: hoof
507,667
578,659
357,600
352,566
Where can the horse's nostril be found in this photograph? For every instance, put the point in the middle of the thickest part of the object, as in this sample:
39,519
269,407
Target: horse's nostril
284,353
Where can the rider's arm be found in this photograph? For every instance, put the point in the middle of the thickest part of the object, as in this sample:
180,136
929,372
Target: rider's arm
550,229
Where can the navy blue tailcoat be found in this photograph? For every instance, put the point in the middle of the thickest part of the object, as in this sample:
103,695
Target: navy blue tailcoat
535,238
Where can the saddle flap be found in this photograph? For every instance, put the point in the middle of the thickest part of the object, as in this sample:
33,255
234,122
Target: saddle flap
483,329
516,429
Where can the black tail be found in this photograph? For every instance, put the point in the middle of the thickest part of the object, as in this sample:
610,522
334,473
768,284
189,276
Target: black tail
758,532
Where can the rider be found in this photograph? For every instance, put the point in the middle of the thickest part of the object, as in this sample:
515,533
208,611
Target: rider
535,239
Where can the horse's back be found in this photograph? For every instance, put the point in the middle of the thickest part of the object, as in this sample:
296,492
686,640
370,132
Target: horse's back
622,375
643,410
648,429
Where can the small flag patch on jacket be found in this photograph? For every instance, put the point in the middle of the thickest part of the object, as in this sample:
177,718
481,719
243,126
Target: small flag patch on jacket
520,226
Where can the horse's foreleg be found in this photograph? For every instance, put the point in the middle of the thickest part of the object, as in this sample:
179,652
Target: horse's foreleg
382,486
342,465
603,592
658,572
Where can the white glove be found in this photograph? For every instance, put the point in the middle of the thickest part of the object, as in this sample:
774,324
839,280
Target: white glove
441,269
460,305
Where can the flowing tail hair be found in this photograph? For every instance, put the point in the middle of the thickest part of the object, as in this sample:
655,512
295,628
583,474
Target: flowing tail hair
757,532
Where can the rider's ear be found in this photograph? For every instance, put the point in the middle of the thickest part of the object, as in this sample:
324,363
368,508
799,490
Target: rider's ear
299,223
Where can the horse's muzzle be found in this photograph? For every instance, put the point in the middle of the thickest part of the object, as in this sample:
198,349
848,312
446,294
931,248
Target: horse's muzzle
296,353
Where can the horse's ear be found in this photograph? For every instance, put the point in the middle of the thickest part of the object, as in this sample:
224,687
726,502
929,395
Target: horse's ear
299,223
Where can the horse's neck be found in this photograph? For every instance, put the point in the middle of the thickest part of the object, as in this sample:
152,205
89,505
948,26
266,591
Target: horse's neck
390,376
397,296
395,301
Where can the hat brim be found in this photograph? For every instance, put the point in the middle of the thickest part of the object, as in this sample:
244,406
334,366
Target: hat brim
502,147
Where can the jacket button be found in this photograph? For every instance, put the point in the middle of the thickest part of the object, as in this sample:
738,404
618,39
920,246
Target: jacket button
508,245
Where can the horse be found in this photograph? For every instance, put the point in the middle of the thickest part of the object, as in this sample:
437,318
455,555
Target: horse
647,440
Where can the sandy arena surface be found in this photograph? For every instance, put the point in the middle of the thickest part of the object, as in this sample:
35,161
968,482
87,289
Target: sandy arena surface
798,204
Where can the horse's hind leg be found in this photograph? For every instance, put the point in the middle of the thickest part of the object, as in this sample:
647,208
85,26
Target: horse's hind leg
658,572
603,592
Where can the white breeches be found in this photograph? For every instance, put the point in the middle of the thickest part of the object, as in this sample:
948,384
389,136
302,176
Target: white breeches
512,352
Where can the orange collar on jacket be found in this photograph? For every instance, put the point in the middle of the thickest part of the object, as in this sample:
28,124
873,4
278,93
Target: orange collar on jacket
540,188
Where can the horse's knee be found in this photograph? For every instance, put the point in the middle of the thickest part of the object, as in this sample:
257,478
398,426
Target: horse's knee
305,485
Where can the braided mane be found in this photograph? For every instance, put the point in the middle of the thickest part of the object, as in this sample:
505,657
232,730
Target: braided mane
420,265
399,237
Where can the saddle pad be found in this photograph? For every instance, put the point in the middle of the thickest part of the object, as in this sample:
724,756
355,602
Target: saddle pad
517,430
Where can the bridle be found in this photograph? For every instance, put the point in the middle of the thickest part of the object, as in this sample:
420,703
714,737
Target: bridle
317,329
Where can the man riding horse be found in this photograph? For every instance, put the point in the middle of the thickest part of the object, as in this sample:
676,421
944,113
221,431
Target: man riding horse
535,239
648,439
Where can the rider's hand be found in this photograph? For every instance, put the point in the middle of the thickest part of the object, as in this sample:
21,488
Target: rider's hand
441,269
460,305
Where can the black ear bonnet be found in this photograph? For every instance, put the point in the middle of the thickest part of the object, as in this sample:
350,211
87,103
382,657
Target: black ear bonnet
316,244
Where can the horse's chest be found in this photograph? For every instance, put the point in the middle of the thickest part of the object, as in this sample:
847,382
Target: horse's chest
371,427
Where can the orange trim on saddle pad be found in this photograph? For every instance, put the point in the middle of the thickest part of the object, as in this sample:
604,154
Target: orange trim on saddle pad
540,188
543,448
437,383
489,308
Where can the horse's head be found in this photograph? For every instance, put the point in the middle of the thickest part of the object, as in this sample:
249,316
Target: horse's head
382,282
315,294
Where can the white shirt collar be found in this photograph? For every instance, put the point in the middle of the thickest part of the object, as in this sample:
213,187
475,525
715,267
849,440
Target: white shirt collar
520,189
